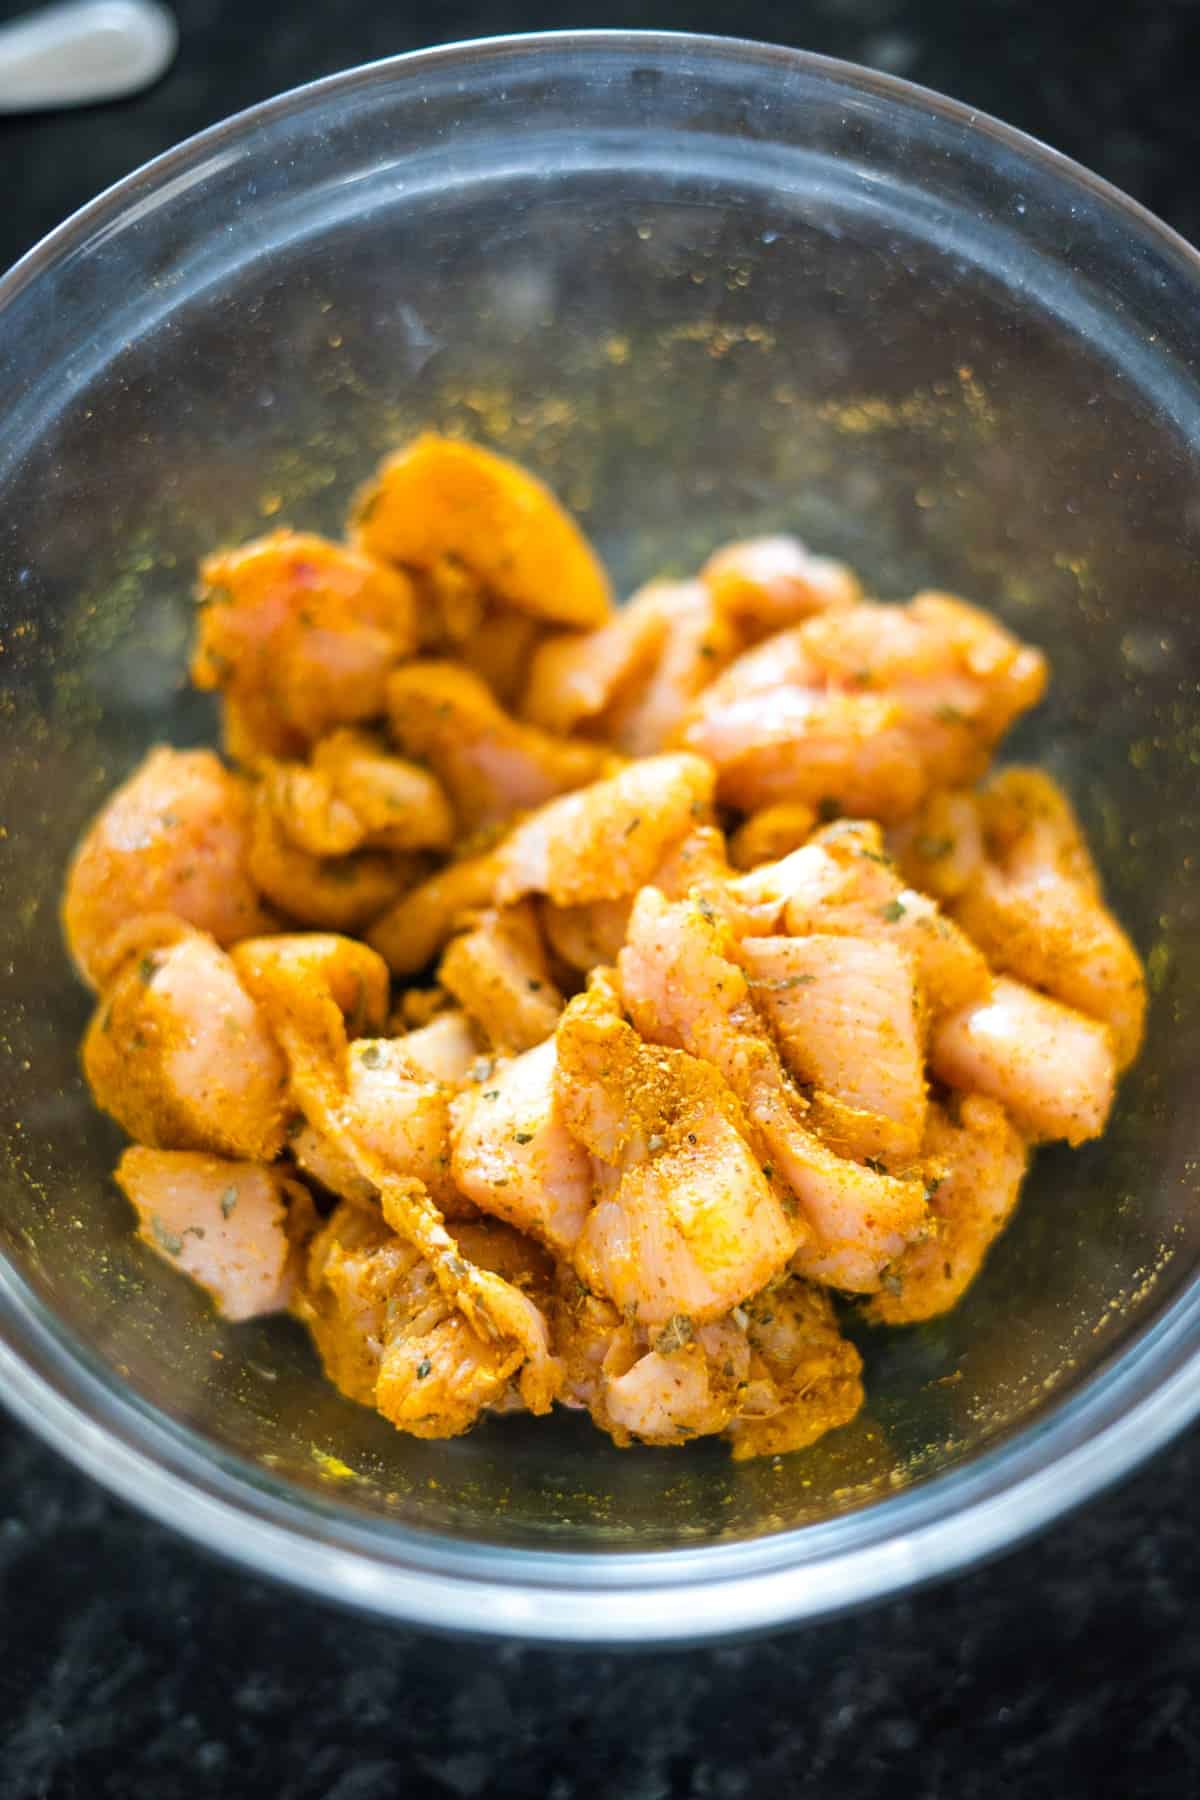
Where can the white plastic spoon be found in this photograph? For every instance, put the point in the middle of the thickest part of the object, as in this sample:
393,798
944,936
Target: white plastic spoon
84,51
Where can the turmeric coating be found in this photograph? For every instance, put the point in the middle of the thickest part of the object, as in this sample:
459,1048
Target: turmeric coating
561,1005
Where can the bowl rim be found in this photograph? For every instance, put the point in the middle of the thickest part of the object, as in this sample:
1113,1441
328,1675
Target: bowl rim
1024,1481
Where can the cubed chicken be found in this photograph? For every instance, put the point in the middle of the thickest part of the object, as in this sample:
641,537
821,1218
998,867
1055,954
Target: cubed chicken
685,1220
514,1157
410,934
848,1015
1036,909
330,893
490,765
183,1058
499,975
607,840
1052,1069
764,584
439,498
981,1159
174,838
223,1223
299,634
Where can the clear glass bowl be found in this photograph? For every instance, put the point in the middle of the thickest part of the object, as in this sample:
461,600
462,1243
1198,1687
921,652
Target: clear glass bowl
706,288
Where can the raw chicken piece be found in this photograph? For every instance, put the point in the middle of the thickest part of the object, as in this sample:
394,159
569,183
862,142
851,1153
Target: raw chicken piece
681,986
222,1223
490,765
805,1378
983,1159
1052,1068
398,805
444,1050
866,708
311,988
299,635
1036,909
576,677
774,1375
685,1221
388,1337
410,934
766,583
174,838
337,893
770,833
589,935
849,1019
954,665
939,850
320,1157
843,883
451,604
500,651
607,840
686,1384
697,641
499,974
180,1055
514,1157
307,810
400,1117
437,1374
852,752
440,498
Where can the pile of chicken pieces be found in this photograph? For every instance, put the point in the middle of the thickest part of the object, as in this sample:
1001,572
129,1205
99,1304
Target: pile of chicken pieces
550,1002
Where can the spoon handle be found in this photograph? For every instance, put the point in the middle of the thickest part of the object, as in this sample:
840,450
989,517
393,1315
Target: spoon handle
83,51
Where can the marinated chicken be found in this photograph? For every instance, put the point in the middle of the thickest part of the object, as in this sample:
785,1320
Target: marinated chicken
555,1004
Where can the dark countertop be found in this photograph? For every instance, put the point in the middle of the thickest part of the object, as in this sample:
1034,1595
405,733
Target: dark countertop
131,1665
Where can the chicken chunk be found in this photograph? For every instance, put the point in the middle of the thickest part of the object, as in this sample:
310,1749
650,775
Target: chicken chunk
443,1050
336,893
590,935
387,1335
607,840
682,986
805,1378
1053,1069
842,883
223,1223
849,1018
410,934
489,764
983,1162
181,1056
317,991
174,838
576,677
501,650
440,498
686,1384
697,642
852,752
299,634
684,1220
771,832
499,974
1036,910
402,1118
767,583
940,849
398,805
866,708
514,1157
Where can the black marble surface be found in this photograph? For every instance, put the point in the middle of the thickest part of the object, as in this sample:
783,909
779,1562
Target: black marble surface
131,1665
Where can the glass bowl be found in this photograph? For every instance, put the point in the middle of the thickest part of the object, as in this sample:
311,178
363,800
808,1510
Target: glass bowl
707,289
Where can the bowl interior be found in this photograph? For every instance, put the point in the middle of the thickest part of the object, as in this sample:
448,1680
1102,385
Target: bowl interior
703,299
